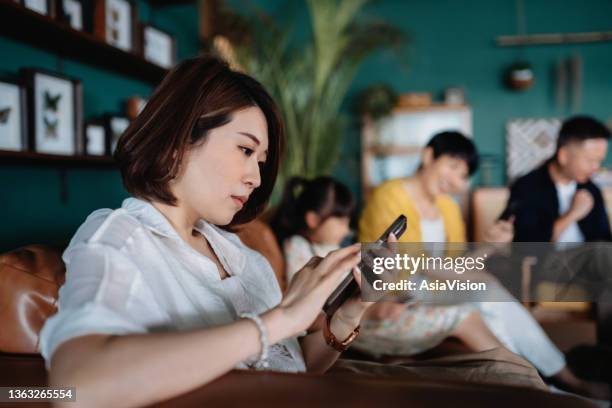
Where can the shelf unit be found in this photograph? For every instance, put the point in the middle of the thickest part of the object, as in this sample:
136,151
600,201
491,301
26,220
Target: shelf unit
372,148
43,32
11,157
170,2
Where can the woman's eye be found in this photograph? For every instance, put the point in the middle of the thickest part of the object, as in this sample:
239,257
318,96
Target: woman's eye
248,152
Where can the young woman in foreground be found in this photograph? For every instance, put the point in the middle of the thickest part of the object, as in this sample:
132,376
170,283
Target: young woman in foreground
158,298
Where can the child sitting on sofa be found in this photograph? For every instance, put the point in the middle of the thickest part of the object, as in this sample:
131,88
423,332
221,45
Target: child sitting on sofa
312,220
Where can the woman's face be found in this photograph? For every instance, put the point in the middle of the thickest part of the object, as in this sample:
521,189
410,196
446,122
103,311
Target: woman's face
217,176
445,175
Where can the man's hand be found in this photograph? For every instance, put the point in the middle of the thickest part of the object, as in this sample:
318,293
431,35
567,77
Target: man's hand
500,232
582,204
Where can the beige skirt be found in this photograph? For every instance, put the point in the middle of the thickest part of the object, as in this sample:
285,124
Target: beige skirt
419,328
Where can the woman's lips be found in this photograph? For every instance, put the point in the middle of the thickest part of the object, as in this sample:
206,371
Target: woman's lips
239,200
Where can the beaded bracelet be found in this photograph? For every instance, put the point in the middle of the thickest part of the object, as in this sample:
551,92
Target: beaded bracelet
262,361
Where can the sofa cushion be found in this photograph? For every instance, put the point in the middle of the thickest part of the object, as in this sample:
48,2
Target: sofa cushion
30,278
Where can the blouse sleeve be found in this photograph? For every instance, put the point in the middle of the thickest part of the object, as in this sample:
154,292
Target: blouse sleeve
94,299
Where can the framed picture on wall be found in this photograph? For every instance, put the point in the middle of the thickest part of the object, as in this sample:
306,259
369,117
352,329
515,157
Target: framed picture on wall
158,46
44,7
71,13
13,133
115,23
95,139
115,125
55,112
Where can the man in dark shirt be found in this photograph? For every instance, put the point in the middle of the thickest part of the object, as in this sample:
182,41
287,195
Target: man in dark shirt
557,202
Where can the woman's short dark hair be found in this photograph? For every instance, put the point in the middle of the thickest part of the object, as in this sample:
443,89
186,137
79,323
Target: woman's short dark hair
455,144
198,95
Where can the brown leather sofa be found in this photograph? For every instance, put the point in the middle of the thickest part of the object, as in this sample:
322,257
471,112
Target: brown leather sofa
31,276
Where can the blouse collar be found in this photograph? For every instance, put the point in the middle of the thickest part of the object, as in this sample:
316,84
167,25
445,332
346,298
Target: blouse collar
229,252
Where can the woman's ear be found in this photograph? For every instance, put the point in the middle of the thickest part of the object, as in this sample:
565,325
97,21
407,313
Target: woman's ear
312,219
427,157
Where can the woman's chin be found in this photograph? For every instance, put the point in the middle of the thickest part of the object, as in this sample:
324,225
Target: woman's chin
222,219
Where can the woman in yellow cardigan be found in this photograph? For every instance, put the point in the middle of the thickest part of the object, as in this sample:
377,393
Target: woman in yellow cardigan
433,216
448,161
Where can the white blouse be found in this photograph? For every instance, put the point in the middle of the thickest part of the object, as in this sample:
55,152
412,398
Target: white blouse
128,271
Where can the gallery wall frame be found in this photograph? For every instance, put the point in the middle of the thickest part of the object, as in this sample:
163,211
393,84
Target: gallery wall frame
116,23
13,115
157,46
55,112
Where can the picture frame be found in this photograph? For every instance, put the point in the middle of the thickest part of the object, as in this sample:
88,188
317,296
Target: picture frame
158,46
55,112
114,126
95,135
70,12
13,116
44,7
115,22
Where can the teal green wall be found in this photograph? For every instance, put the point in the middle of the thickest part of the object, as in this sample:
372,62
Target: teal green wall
452,44
31,208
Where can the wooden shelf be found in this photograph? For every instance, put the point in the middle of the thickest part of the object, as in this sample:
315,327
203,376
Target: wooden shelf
393,150
170,2
430,108
10,157
43,32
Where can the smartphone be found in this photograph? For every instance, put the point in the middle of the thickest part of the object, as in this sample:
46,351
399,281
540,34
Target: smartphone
349,287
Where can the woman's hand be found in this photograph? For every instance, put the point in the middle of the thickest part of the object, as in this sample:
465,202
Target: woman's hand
353,309
313,284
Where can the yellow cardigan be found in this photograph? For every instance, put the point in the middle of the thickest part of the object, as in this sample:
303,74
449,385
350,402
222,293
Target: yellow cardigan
391,199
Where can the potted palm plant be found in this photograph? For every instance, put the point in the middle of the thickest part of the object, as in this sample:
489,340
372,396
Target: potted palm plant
310,80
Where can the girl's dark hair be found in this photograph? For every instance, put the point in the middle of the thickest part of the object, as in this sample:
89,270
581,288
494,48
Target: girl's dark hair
323,195
455,144
198,95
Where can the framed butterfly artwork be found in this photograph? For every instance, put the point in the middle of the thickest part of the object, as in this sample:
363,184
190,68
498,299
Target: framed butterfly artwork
115,22
55,112
13,129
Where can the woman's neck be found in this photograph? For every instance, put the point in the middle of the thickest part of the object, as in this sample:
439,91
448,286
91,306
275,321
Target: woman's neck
417,186
313,239
180,218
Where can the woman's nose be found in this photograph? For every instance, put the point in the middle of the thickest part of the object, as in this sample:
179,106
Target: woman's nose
253,176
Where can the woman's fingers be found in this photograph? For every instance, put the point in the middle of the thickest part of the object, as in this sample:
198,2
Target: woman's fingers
338,270
336,256
357,275
314,261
